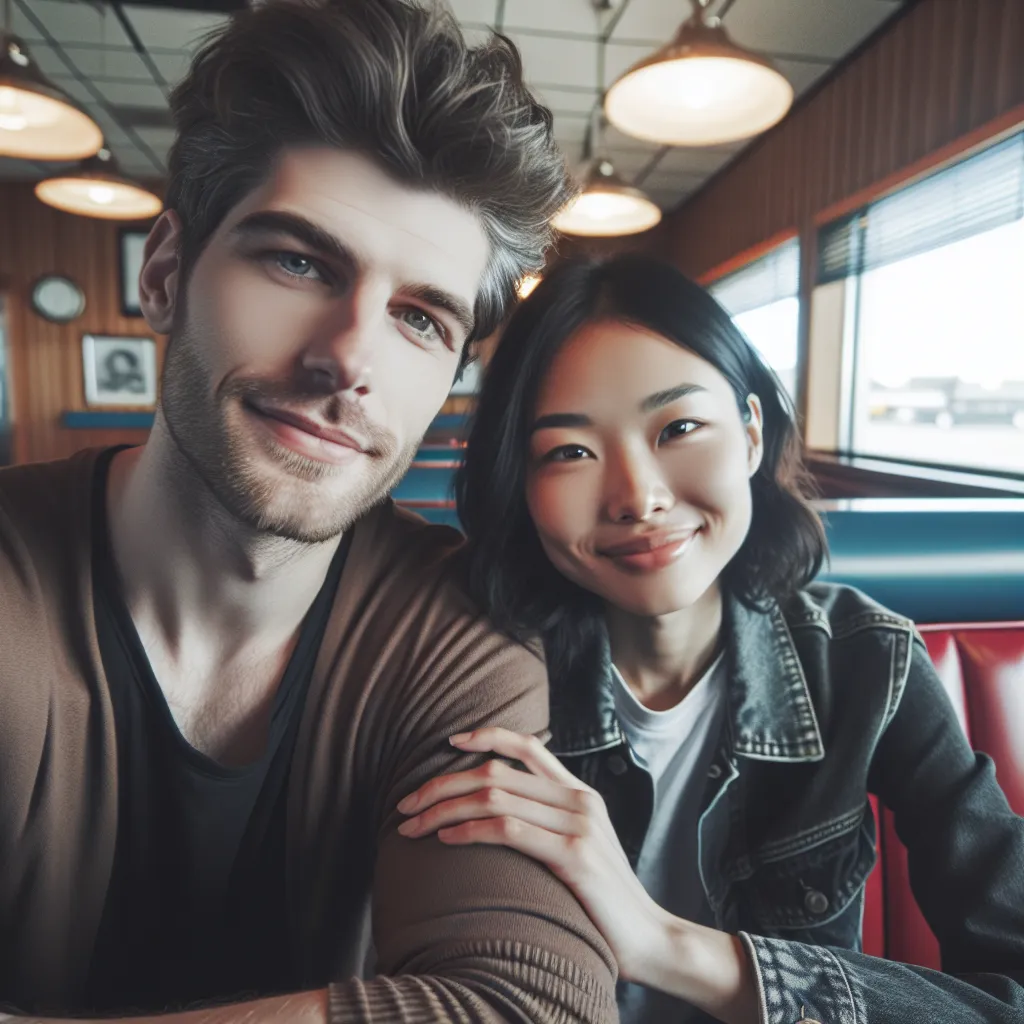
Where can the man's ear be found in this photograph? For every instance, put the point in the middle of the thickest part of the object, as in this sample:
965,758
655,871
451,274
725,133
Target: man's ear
754,426
160,274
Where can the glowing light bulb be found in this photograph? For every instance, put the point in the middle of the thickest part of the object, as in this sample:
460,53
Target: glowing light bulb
103,195
12,119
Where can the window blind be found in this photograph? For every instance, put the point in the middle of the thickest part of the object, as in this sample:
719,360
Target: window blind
978,194
768,279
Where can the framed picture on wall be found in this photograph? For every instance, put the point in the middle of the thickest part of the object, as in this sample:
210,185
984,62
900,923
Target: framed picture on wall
119,371
132,242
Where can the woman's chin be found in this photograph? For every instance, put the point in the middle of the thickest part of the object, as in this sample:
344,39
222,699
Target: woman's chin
656,599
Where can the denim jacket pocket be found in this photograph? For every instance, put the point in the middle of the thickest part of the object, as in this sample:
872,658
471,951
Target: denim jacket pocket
813,889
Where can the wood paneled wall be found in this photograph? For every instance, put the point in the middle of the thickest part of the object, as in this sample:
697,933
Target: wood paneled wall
45,359
939,77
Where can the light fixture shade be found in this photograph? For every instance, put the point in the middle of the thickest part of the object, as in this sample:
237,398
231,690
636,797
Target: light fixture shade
607,206
37,120
96,189
699,90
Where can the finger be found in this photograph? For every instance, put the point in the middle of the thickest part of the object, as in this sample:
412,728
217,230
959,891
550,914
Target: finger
551,849
492,775
527,749
493,803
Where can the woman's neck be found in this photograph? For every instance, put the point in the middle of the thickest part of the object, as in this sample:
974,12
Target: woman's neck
663,657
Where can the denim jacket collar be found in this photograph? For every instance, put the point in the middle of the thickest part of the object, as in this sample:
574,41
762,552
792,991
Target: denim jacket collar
771,716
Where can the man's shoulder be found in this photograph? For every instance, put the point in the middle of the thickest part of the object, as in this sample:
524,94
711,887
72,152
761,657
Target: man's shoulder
41,506
415,572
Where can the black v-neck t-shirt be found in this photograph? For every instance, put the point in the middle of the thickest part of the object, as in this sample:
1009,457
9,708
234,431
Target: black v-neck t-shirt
196,907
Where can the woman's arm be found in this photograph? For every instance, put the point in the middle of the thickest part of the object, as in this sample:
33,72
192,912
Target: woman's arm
551,816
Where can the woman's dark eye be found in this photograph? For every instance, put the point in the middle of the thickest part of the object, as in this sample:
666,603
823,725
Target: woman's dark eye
678,428
568,453
298,266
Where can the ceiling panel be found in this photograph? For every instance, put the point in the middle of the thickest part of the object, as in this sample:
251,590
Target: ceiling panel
79,22
175,30
558,61
557,39
575,16
133,94
481,12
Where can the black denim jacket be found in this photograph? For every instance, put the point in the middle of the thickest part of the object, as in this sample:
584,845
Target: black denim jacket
831,698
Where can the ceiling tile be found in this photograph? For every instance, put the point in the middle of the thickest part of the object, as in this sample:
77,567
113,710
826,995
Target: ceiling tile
134,94
621,56
628,162
475,35
160,139
567,99
47,59
553,16
558,61
22,26
825,29
172,64
175,30
95,62
481,12
657,20
81,22
696,161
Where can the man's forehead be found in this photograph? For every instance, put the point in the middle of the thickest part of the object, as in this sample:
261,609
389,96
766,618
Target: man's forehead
421,235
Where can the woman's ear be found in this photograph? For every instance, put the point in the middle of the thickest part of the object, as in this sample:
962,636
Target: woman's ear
754,426
158,280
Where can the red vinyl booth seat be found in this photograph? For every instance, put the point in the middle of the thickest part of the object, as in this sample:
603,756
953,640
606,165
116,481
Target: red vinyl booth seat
982,668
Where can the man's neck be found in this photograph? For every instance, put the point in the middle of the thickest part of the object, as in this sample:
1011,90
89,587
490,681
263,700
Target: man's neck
187,563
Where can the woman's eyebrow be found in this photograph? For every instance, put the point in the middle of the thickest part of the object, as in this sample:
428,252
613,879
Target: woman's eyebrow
561,419
660,398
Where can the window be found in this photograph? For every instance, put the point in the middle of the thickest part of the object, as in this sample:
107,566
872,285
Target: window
762,299
935,280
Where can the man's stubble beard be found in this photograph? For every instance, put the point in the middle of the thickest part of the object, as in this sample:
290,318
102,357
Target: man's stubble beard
232,468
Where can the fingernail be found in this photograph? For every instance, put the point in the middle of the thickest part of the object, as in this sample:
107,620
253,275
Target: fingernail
460,738
408,805
408,828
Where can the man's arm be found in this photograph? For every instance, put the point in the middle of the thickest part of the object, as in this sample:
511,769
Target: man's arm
304,1008
481,933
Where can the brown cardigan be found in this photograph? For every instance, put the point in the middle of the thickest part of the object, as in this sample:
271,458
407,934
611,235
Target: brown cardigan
469,933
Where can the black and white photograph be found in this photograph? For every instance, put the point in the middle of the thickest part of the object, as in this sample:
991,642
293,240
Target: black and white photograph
119,371
132,243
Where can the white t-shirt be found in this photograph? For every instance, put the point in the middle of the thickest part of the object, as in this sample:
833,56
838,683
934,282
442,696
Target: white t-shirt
677,747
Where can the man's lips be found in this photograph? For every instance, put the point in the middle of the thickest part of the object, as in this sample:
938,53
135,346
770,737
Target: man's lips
333,435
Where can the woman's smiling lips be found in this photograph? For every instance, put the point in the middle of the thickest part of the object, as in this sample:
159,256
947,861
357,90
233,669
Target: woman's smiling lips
651,551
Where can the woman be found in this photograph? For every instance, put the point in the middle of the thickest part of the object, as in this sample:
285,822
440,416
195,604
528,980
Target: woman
632,493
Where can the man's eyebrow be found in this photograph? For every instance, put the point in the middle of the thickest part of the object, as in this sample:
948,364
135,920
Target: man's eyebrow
440,299
661,398
272,222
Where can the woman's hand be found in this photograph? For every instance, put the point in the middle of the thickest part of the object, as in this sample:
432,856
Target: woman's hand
548,814
553,817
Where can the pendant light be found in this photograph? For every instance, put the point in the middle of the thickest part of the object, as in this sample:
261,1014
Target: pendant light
700,89
607,206
97,189
38,121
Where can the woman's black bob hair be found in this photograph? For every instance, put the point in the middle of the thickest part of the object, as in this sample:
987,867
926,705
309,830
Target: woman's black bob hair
509,573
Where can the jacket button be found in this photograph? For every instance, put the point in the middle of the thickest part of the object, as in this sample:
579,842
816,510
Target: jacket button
714,772
617,765
815,902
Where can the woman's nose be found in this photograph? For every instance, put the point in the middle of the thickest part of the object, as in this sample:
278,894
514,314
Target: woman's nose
638,491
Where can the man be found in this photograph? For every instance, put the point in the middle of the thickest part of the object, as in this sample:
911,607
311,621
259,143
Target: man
223,661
